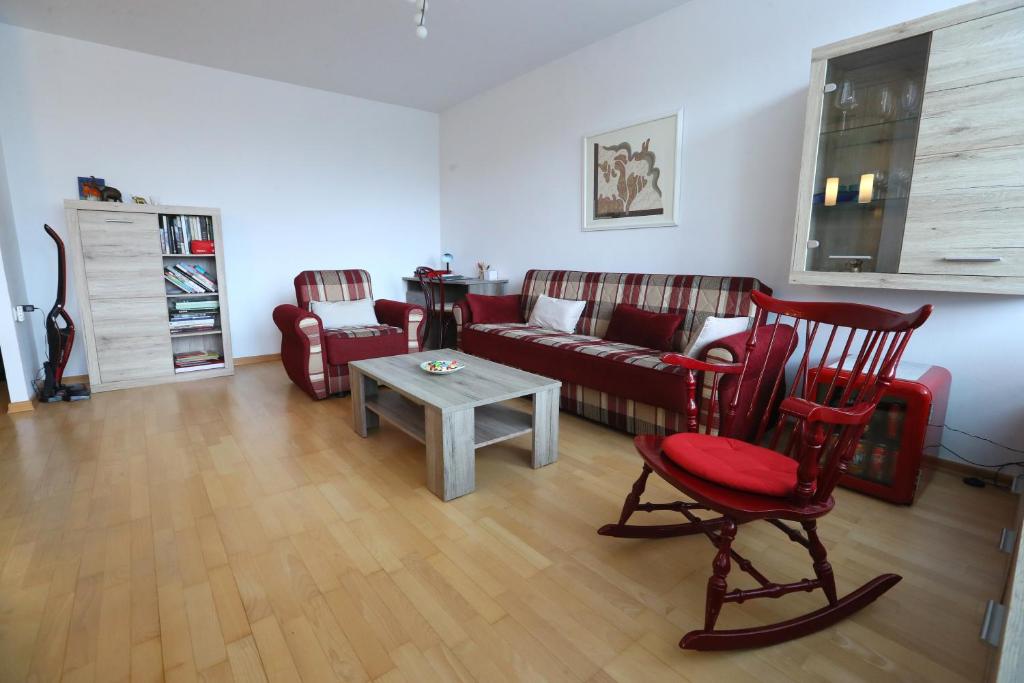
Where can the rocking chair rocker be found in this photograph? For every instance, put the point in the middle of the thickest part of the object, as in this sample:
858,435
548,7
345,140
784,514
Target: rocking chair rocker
810,440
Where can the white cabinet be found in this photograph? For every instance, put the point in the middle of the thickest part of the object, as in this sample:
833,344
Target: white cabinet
135,323
913,160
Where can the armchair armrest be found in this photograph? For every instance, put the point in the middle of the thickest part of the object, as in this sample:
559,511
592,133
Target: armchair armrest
692,364
816,424
800,408
409,317
288,316
712,374
462,315
302,351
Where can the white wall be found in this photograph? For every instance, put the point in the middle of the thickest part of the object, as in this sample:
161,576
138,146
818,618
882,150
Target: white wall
16,344
511,165
304,178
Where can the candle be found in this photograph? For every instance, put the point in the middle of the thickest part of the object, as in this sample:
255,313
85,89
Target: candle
867,188
831,191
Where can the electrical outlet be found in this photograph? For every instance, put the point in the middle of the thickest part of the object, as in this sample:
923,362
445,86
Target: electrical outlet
20,311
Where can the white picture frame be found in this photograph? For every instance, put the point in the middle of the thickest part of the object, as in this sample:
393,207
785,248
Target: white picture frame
631,175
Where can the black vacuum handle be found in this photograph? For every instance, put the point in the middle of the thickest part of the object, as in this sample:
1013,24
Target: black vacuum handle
61,274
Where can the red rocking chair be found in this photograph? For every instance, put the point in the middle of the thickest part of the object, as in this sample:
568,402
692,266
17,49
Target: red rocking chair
809,440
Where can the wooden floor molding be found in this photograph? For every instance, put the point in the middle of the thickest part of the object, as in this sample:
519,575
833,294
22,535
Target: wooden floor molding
252,360
965,469
15,407
234,528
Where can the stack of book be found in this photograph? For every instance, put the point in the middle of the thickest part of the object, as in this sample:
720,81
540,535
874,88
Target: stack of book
177,232
190,279
187,361
192,322
196,305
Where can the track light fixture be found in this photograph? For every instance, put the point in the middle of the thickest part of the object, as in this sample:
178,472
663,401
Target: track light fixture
420,17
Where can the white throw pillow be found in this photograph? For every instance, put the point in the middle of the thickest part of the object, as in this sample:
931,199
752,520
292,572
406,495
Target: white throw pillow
557,314
713,330
338,314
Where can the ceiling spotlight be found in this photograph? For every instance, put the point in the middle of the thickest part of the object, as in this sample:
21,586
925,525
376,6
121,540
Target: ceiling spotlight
421,17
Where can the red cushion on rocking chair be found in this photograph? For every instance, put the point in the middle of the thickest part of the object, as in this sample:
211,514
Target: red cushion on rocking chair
732,463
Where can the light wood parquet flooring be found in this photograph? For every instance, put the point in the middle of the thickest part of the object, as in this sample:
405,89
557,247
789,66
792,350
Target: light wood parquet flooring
233,529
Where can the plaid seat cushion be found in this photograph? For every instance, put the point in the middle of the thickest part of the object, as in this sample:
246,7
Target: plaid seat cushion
581,343
612,379
615,368
347,344
363,331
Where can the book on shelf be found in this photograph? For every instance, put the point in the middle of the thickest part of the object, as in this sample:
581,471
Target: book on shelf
187,361
176,280
177,232
193,325
205,366
192,321
197,274
190,279
196,305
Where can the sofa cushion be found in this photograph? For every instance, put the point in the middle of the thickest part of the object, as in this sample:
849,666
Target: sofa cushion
495,309
331,285
337,315
617,368
733,463
366,341
694,297
558,314
714,329
632,325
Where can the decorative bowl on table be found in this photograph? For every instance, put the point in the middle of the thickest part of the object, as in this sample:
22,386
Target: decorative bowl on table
441,366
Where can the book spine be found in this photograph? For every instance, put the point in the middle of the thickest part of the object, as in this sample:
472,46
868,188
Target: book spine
163,234
191,284
199,275
184,274
174,280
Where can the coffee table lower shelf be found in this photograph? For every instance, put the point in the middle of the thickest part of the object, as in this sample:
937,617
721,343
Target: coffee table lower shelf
492,423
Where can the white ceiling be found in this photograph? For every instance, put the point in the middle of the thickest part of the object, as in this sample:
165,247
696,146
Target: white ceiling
365,48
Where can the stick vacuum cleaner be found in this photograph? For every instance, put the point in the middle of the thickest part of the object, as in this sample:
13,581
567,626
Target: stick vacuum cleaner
59,339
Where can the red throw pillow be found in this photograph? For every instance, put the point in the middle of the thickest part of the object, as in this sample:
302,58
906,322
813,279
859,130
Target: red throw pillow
632,325
495,309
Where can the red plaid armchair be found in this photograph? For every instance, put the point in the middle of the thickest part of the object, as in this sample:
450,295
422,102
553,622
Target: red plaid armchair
317,359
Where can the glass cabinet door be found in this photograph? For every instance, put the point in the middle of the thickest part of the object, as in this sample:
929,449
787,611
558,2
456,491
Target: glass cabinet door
867,140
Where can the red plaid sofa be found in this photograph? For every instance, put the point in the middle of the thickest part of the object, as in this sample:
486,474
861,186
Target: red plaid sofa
317,359
624,386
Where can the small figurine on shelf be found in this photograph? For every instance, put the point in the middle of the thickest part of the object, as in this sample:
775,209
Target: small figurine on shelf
110,194
481,269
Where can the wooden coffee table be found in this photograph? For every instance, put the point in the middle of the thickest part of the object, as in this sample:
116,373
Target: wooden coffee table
455,414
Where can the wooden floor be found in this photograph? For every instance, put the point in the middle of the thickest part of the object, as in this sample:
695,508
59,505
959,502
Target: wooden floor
233,528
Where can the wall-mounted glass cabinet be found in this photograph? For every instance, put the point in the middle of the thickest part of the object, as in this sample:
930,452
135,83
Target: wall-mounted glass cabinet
907,179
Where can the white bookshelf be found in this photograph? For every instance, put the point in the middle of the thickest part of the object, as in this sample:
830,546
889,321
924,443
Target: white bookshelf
125,303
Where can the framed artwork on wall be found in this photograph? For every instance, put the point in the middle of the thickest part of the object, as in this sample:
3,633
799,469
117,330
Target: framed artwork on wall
631,175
